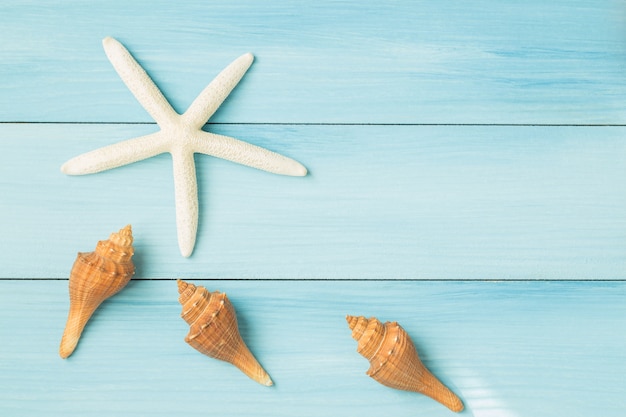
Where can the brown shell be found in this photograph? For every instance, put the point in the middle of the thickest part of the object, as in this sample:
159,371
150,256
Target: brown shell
214,330
394,362
95,277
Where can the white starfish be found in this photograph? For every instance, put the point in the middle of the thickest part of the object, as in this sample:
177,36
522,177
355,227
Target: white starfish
181,136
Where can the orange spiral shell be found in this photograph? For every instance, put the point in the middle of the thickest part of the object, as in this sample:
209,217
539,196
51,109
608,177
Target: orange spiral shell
95,277
214,330
394,362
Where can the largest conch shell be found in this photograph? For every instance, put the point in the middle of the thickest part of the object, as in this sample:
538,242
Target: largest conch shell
394,362
95,277
214,330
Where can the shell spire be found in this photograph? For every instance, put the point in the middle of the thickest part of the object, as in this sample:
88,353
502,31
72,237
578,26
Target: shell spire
95,277
214,330
394,362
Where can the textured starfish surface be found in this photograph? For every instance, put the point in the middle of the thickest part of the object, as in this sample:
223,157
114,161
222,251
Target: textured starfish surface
181,136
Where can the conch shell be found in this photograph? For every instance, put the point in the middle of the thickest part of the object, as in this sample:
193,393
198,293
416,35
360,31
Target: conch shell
214,330
95,277
394,362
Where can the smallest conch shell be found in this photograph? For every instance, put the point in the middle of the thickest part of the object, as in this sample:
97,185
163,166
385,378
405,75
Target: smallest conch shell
394,362
214,330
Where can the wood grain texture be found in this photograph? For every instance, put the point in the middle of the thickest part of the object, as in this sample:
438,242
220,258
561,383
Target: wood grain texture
327,61
380,202
434,199
508,349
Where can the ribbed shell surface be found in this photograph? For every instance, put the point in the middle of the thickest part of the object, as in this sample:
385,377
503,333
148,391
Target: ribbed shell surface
96,276
213,329
394,361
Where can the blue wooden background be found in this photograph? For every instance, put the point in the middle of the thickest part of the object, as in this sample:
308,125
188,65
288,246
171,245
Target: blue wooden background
467,179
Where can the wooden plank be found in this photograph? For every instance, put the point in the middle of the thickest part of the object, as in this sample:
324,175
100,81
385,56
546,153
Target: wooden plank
414,202
373,98
557,62
508,349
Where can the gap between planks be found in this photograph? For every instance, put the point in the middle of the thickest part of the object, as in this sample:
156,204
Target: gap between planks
334,124
350,280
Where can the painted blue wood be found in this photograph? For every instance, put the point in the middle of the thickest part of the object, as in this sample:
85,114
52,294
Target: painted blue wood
382,202
327,61
410,202
508,349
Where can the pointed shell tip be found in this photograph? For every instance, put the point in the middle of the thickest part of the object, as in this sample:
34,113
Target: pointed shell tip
352,321
68,345
265,380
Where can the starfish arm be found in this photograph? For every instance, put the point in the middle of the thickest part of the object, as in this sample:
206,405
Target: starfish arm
139,82
245,153
116,155
186,195
209,100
